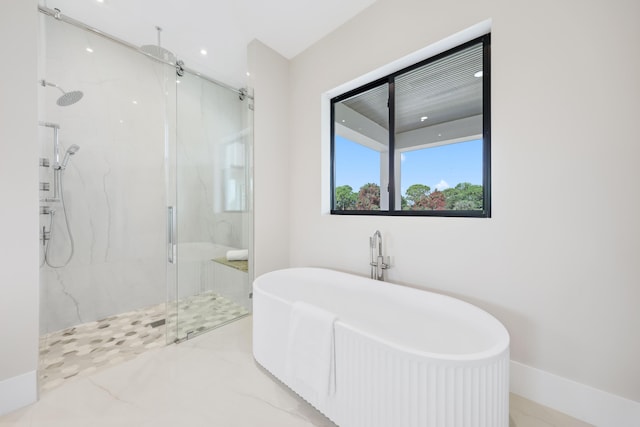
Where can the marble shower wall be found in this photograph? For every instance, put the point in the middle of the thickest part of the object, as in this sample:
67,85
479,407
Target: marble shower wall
211,150
211,217
115,187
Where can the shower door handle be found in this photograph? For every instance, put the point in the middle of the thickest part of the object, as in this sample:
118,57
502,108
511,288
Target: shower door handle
171,234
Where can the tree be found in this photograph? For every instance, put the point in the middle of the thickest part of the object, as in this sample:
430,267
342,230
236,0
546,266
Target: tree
435,201
464,196
369,197
415,193
345,198
403,203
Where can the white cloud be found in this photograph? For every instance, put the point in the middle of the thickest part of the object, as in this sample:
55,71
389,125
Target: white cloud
442,185
402,157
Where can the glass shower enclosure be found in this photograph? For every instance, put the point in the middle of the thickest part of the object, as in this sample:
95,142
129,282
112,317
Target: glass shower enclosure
210,216
152,210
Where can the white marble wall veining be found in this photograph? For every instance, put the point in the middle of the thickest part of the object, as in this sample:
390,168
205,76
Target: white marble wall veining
209,118
133,123
114,186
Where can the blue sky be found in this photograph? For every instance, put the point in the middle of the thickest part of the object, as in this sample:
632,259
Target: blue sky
438,167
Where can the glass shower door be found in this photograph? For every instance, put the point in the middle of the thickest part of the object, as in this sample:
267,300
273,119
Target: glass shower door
210,217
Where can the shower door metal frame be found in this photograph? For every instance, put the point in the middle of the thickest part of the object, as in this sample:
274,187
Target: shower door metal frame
57,14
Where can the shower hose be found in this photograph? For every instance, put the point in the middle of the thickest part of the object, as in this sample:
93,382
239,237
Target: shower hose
66,220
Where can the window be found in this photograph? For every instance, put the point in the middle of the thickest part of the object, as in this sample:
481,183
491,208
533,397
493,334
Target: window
416,142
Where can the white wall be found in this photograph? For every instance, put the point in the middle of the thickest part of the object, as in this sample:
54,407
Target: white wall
19,205
269,80
558,261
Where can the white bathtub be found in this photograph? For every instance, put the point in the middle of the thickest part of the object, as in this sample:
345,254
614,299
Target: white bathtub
403,357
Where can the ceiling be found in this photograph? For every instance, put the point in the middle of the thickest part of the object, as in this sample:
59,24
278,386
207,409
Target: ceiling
223,28
441,91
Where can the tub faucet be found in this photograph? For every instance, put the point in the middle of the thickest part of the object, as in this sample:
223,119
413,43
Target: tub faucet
378,262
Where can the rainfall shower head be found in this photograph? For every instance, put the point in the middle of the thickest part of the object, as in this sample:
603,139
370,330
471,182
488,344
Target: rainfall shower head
67,98
70,152
158,52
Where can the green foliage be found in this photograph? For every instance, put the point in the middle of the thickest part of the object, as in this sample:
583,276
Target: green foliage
415,194
464,196
404,205
345,198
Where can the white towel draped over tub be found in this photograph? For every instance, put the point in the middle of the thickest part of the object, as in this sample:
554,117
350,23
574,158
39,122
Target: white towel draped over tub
310,355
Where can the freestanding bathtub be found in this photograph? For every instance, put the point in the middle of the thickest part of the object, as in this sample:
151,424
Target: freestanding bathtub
400,357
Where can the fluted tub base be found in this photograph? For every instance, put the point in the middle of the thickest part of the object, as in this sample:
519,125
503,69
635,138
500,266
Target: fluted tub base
382,380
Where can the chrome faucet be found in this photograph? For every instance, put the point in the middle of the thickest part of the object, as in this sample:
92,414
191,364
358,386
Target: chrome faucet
378,262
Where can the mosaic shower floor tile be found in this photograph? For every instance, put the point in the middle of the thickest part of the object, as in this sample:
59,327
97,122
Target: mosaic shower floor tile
92,346
204,312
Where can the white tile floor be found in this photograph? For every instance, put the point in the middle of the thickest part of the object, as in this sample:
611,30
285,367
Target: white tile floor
211,380
92,346
525,413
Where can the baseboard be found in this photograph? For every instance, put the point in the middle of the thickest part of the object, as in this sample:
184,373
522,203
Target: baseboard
580,401
17,392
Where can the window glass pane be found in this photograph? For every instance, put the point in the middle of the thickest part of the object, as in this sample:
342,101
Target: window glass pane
438,134
361,151
417,142
357,176
445,177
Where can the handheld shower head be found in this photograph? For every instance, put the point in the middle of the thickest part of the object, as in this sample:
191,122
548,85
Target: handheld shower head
67,98
67,156
73,149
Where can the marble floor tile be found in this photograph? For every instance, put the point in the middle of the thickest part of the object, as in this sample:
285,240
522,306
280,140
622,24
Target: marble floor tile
525,413
93,346
210,380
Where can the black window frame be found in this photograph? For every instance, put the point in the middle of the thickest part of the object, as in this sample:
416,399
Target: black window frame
486,138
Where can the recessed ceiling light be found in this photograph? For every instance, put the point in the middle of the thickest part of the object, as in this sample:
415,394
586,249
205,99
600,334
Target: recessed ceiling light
135,102
248,74
100,1
423,118
478,74
89,50
203,51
